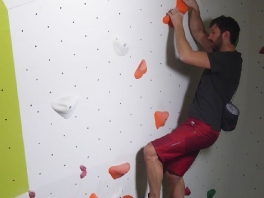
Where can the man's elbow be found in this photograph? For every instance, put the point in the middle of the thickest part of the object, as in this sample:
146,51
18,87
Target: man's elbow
184,58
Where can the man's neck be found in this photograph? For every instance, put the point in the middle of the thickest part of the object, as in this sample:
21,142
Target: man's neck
228,48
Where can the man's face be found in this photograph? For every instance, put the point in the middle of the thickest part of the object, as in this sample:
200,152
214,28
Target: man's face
215,38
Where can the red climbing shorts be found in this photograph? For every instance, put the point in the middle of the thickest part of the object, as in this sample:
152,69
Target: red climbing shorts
178,149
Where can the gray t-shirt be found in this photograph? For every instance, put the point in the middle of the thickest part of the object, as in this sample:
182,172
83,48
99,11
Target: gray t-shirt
216,87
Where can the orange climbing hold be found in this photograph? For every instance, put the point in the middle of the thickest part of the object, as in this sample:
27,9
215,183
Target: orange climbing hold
141,70
181,6
119,170
160,118
166,20
93,196
127,196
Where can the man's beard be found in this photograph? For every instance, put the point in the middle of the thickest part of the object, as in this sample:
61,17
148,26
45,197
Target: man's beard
217,44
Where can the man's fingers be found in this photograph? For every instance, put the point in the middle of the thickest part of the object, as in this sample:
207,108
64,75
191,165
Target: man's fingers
173,12
170,12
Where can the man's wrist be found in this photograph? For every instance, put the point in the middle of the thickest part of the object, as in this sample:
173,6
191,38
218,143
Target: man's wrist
178,26
194,7
194,11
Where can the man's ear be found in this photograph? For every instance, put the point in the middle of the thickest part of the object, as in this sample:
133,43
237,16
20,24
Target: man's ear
226,35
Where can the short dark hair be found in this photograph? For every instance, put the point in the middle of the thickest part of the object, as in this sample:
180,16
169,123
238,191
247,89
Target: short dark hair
227,24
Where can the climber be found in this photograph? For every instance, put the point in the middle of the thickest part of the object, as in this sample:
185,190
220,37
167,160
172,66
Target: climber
175,152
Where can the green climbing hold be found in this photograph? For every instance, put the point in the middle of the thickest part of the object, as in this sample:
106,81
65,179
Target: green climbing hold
211,193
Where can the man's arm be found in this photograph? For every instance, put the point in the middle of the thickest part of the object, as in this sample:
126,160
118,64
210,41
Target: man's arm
187,55
196,25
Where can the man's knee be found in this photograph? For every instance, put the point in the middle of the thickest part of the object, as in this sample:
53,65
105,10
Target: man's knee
149,152
174,182
172,176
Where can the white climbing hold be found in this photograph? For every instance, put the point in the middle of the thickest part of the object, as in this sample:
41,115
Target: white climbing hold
118,193
120,47
65,105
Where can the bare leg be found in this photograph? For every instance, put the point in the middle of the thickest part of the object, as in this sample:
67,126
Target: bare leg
176,185
154,170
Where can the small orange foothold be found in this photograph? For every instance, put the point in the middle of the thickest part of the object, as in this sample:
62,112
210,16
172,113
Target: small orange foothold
141,70
160,118
119,170
127,196
181,6
93,196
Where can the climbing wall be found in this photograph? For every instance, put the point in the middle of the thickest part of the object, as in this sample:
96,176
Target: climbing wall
92,76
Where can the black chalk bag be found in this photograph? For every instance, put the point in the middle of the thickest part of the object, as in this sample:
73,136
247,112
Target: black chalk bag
230,117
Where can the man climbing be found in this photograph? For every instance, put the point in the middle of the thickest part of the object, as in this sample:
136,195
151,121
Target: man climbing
175,152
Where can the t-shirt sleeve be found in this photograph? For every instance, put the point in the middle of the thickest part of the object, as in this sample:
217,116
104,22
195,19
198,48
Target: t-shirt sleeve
218,61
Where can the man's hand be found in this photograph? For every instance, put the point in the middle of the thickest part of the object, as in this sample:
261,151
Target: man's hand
176,17
191,3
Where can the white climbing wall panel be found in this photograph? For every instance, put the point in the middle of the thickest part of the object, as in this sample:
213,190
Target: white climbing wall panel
66,47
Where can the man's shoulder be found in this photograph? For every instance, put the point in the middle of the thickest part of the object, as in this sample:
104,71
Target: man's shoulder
226,55
226,52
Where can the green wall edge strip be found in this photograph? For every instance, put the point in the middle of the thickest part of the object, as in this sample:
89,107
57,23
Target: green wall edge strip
13,172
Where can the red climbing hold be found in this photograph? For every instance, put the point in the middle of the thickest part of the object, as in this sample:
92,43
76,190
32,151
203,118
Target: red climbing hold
262,50
84,172
31,194
83,168
187,191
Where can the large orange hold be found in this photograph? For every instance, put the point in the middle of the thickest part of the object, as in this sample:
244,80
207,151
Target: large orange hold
93,196
119,170
141,70
181,6
160,118
127,196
